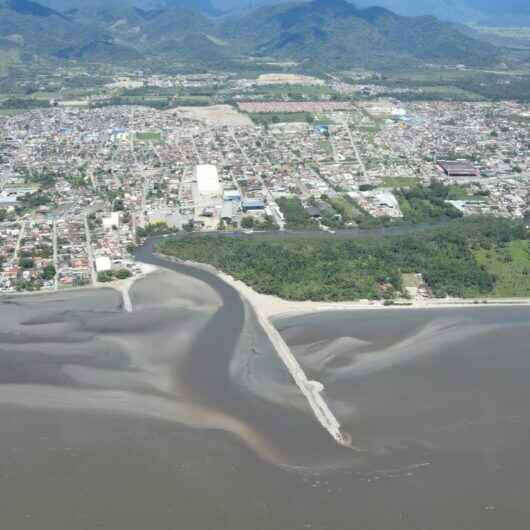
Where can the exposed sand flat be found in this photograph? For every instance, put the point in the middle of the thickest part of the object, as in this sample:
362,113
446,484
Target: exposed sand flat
170,358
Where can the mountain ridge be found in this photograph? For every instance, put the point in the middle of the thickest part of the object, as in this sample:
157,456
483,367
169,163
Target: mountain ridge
320,34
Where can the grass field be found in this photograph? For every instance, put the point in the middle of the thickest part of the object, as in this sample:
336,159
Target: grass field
149,137
400,182
510,32
344,207
7,58
451,92
12,112
325,146
411,280
269,118
305,91
511,267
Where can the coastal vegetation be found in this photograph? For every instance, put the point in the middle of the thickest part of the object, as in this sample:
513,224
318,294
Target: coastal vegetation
510,264
321,267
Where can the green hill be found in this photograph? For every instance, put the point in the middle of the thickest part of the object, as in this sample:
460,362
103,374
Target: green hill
319,34
336,33
35,30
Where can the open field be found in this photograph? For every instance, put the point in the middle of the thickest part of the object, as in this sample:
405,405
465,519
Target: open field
288,79
7,58
269,118
511,268
295,106
512,32
218,115
400,182
149,137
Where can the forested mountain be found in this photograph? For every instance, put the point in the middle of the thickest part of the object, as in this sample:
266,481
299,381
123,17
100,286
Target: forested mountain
515,12
495,12
330,33
38,30
335,32
65,6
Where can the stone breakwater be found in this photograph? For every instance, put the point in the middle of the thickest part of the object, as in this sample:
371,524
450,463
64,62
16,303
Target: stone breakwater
312,390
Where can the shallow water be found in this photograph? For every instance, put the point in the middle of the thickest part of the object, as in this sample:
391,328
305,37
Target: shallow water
180,415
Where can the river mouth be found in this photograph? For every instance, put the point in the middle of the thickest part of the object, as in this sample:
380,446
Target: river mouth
180,413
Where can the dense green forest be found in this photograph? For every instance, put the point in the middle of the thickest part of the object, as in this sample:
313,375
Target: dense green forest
349,268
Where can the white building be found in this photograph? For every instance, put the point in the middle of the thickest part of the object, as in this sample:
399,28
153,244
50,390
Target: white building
207,180
103,264
112,220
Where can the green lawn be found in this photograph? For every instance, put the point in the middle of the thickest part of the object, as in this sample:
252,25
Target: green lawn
270,118
325,146
510,32
511,267
12,112
345,208
410,280
149,137
400,182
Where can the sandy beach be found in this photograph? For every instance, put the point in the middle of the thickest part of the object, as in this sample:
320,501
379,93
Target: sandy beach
274,307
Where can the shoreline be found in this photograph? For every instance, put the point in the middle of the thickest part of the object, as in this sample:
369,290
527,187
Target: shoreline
275,307
121,286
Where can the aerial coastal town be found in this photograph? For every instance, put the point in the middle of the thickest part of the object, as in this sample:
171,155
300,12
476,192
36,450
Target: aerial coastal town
81,185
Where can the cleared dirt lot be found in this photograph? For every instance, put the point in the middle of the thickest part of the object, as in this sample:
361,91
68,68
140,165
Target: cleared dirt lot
216,115
288,79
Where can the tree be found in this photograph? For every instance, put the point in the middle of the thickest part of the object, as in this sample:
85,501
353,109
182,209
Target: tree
366,187
26,263
188,227
104,276
247,222
48,273
122,274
